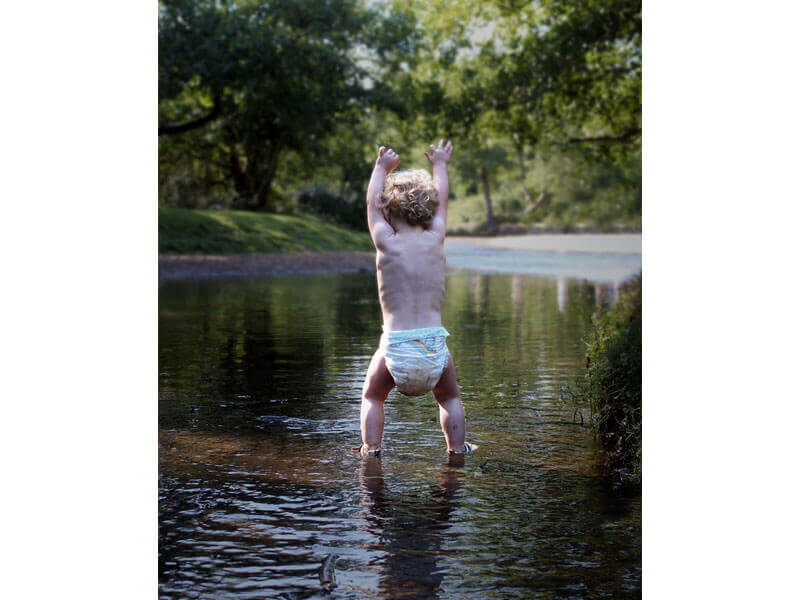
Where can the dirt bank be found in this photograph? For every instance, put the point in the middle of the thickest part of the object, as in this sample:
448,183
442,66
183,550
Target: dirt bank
192,266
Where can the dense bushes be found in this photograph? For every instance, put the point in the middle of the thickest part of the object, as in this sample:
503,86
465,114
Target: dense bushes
613,380
332,207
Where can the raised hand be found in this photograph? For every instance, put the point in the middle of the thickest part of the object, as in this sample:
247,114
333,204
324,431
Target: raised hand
441,154
388,159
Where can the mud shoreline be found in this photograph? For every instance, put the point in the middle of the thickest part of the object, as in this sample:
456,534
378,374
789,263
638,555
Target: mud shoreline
202,266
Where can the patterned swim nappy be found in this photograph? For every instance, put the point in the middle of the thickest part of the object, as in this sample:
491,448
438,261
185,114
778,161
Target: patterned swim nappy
415,358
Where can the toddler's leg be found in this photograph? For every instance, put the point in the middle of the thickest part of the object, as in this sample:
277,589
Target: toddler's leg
451,412
377,386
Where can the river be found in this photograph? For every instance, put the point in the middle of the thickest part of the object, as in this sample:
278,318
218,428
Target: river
261,496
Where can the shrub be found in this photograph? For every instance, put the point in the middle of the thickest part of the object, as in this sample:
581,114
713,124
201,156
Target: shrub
613,380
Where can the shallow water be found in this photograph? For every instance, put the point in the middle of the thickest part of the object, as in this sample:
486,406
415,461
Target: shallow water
259,492
605,267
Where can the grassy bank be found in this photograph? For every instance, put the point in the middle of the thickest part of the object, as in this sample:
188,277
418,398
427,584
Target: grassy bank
182,231
613,381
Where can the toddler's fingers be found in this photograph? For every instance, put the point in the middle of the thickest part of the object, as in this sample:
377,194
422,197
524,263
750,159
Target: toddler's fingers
428,157
441,143
381,150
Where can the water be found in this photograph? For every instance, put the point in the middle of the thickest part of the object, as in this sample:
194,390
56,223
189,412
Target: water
260,495
597,266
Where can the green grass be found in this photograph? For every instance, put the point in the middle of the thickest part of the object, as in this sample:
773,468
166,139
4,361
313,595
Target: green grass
183,231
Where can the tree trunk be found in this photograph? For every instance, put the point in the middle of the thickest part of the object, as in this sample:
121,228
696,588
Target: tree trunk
252,177
539,201
490,222
264,198
522,172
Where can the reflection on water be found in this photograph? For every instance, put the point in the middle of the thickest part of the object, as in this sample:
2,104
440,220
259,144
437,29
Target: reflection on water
260,496
411,526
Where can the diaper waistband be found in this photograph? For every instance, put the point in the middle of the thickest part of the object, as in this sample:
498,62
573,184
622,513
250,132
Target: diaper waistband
396,337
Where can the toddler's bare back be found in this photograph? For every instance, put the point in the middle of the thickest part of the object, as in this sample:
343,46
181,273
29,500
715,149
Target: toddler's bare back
411,279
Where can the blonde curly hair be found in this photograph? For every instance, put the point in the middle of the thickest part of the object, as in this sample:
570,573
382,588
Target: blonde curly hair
410,195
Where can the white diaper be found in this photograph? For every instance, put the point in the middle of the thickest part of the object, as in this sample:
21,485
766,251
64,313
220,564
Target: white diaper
416,358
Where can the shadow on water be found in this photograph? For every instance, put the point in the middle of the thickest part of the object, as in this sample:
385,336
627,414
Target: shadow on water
260,495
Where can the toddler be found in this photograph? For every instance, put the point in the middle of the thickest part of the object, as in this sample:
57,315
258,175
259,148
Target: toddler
407,216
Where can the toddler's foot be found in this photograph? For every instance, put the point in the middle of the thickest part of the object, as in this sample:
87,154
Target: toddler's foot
467,449
362,449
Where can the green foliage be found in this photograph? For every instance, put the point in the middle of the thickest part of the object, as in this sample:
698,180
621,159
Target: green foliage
574,191
613,381
581,191
468,162
321,202
555,82
270,77
574,70
230,232
275,101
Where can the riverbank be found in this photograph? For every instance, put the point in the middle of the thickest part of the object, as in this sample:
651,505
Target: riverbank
221,232
194,266
467,253
515,229
601,243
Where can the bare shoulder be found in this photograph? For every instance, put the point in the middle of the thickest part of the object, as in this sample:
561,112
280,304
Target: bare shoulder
437,228
382,235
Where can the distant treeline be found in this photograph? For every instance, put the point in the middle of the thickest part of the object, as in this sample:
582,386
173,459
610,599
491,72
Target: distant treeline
280,106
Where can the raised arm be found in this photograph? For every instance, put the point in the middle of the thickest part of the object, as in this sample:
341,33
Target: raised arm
439,157
379,227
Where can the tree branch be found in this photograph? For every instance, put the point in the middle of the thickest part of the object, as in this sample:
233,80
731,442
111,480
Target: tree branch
174,128
603,138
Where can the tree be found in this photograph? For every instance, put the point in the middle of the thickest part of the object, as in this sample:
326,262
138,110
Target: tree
249,81
574,68
259,100
546,78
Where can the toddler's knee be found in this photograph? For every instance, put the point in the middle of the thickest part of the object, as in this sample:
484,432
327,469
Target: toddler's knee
449,399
